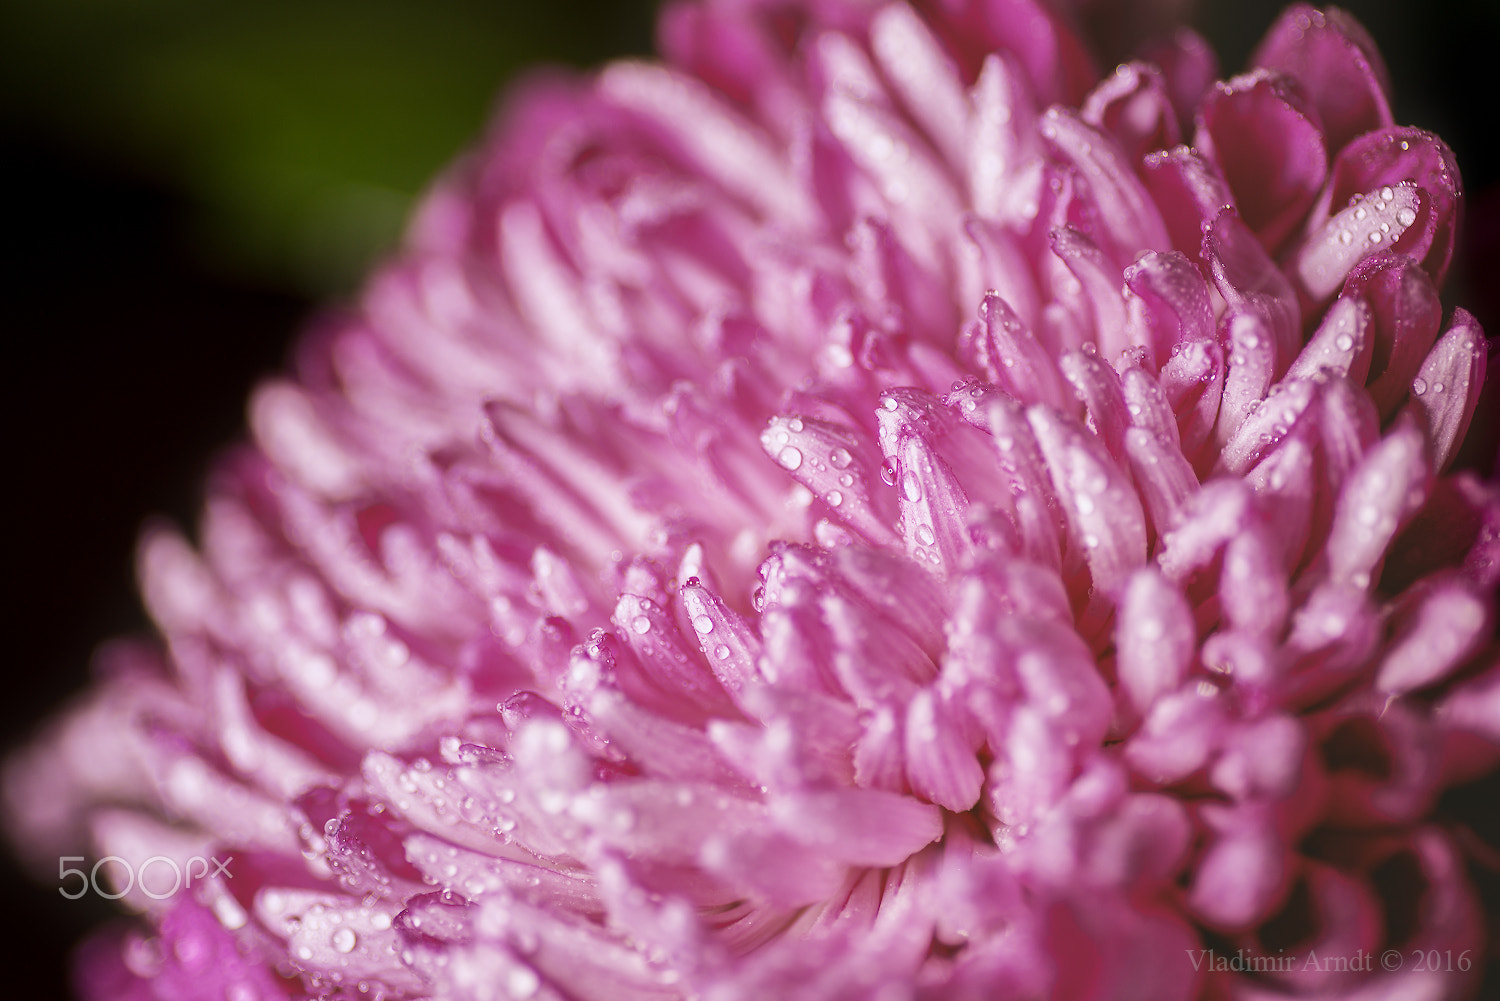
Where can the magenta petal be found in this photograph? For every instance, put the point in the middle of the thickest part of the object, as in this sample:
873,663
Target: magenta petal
1130,219
941,766
1249,281
1383,492
1174,299
1103,396
1155,638
1338,66
1393,216
1340,346
1406,312
1164,477
1193,381
1006,351
1105,518
863,827
1261,133
1388,157
1190,191
1133,106
1244,872
1446,389
1252,367
1189,67
1436,629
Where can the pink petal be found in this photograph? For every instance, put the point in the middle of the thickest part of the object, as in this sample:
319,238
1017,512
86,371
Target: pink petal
1338,66
1259,130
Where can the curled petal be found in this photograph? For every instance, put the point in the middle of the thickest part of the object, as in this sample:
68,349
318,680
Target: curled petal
1129,216
1338,66
1250,281
1261,132
1133,106
1389,156
1392,216
1190,192
1174,301
1436,629
1446,390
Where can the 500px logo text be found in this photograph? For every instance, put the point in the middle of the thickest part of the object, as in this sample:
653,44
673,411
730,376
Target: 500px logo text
158,865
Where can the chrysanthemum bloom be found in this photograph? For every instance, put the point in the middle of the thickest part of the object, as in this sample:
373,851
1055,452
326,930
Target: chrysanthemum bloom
860,510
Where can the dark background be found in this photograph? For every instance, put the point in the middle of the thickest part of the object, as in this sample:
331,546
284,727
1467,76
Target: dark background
184,180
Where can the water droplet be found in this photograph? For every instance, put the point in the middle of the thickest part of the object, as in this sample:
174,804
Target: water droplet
522,982
721,652
795,425
888,473
834,498
641,624
1387,194
304,952
1437,387
344,940
1405,216
911,486
840,458
703,623
1343,342
847,480
1346,237
1360,213
1375,237
1418,386
924,535
790,457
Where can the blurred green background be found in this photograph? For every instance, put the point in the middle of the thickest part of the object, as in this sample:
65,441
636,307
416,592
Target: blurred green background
300,129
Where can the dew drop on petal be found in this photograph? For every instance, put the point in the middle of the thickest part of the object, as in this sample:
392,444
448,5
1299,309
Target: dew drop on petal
641,624
911,486
924,535
840,458
703,624
790,457
721,652
1405,216
344,940
1418,386
834,498
1344,342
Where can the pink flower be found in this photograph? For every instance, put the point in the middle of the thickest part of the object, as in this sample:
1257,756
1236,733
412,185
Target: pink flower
857,511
